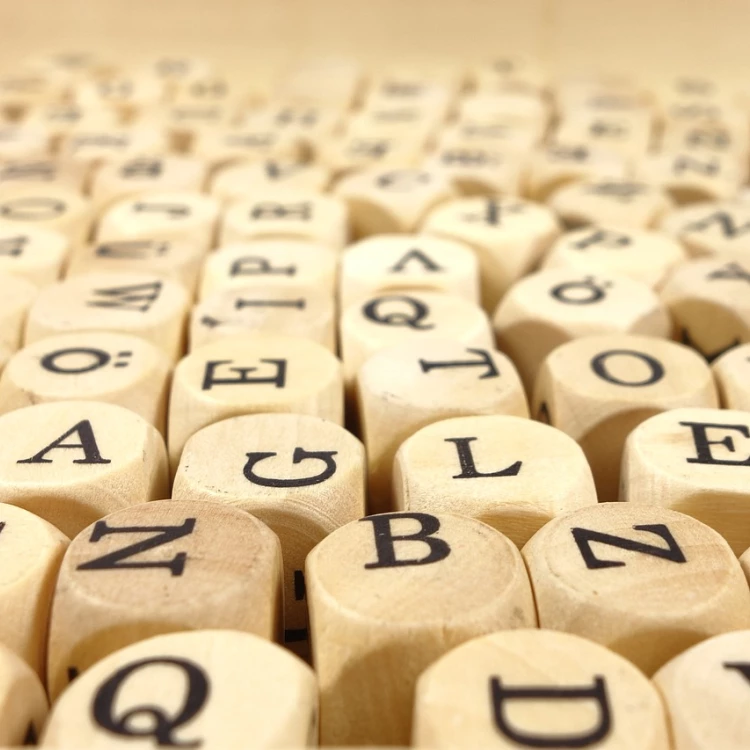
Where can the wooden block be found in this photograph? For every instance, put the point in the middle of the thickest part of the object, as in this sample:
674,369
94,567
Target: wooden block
16,297
625,133
385,201
31,551
331,81
523,473
613,203
124,94
406,387
550,307
70,66
158,568
73,462
176,69
506,137
705,693
61,119
507,107
537,688
602,93
116,368
207,88
176,215
356,151
411,89
22,90
407,262
44,172
32,252
508,73
290,214
300,311
643,255
669,582
275,263
23,142
705,138
508,235
211,688
185,122
694,461
731,371
388,597
239,144
398,119
23,703
599,388
251,374
302,475
392,317
96,146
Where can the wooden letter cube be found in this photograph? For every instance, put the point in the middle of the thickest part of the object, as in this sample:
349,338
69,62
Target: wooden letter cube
32,252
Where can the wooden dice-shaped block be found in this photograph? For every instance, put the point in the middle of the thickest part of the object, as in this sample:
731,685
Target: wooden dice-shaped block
710,228
646,582
23,702
408,262
406,387
550,307
333,81
61,119
210,88
705,138
626,133
508,235
74,462
388,597
599,388
356,151
612,203
175,70
383,201
390,317
522,108
300,311
303,476
694,461
732,371
24,88
164,216
157,568
236,181
210,688
95,147
504,137
705,691
23,142
116,368
290,214
43,171
32,252
478,171
537,688
421,121
520,473
185,122
251,374
645,256
124,94
221,147
142,304
508,73
276,264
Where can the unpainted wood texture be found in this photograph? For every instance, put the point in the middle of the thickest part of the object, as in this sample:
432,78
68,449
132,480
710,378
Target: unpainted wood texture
710,227
23,703
732,373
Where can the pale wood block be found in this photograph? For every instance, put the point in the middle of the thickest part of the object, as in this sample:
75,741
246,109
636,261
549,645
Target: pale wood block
732,371
44,172
302,475
392,201
275,263
124,94
705,138
73,462
669,583
31,551
301,311
32,252
710,228
115,368
412,89
509,236
627,134
178,215
125,178
210,688
23,142
523,473
96,147
23,702
548,308
157,568
643,255
238,180
507,72
208,88
599,388
388,597
222,147
508,107
708,303
16,298
694,461
602,92
141,304
614,203
398,119
176,69
22,90
331,81
407,262
60,119
71,65
537,688
408,386
356,151
705,689
289,214
185,122
251,374
506,137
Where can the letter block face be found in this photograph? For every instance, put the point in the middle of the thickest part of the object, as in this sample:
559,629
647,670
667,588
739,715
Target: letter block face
211,688
74,462
550,307
111,367
513,474
696,461
646,582
509,236
388,596
236,181
32,253
599,388
23,702
409,386
540,689
248,375
710,228
301,475
732,371
706,690
157,568
141,304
